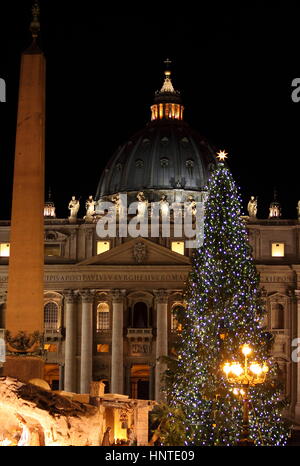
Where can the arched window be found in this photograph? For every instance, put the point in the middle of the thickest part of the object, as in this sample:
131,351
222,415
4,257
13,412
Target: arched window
51,316
140,315
277,316
102,317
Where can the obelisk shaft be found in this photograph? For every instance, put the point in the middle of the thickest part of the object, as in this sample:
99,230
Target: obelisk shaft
26,262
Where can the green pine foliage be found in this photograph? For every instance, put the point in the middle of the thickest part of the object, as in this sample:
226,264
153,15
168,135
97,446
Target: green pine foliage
224,310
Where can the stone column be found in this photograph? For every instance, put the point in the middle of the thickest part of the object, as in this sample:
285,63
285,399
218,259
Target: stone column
297,354
70,342
3,297
161,339
141,421
73,243
86,363
151,382
89,242
117,372
127,380
61,377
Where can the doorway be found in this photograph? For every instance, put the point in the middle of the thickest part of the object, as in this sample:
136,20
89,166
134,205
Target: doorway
140,382
51,375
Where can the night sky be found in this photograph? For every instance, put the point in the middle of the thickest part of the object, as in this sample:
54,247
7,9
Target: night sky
234,69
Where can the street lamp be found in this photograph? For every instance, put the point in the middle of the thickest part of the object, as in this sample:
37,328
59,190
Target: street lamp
246,375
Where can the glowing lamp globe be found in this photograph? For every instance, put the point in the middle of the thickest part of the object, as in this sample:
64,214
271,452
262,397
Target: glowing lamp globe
255,368
236,369
246,350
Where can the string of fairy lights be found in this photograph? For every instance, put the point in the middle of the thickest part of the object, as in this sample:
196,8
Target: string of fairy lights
224,311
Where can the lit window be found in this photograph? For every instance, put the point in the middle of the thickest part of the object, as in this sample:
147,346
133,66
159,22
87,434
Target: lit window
50,316
50,347
52,250
102,246
178,246
102,348
4,249
102,317
277,249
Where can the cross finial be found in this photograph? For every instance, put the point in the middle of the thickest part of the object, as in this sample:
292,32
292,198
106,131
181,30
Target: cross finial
35,23
167,62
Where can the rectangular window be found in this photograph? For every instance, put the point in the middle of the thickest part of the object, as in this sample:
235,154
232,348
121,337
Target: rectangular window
277,249
4,249
52,250
178,246
102,348
102,317
102,246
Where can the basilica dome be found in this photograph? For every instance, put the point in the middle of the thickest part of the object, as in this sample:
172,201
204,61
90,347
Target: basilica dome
166,155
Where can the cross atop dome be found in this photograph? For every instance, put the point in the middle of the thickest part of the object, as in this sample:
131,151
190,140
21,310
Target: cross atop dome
168,62
167,102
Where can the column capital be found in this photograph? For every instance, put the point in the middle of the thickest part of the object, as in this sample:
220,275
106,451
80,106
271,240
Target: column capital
118,295
71,297
161,295
87,295
297,294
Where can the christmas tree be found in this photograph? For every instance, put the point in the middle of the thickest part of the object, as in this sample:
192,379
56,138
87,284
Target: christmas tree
224,311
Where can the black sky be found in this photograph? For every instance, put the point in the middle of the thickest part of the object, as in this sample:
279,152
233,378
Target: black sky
234,69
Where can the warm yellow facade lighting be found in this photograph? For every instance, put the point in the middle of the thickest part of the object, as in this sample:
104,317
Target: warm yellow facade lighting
277,249
4,249
103,246
178,246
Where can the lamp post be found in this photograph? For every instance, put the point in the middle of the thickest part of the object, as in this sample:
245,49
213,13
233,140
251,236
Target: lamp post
246,375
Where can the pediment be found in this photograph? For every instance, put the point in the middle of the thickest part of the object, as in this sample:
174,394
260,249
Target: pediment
138,251
277,297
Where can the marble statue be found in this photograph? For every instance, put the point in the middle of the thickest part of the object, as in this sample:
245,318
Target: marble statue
298,209
90,208
141,197
73,207
252,207
142,203
119,207
116,200
164,205
191,205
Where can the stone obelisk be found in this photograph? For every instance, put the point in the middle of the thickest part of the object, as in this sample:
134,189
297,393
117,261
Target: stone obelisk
24,316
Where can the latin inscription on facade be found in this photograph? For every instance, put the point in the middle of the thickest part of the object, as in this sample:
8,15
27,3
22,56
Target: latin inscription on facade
108,277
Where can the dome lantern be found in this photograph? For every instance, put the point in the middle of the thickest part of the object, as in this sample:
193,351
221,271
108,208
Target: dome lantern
275,207
49,207
167,102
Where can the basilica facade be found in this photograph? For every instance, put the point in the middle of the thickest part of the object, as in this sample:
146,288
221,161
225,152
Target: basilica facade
110,302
